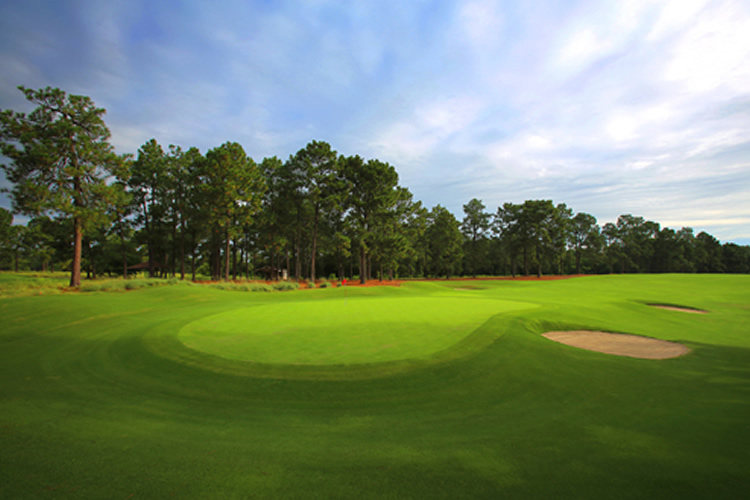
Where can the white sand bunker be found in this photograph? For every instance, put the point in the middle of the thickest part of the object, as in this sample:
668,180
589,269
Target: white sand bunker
678,308
619,344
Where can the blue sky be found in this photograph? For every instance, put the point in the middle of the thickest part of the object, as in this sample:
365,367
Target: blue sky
618,107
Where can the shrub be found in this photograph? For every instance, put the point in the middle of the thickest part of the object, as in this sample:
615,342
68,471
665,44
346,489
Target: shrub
284,286
260,287
110,286
91,287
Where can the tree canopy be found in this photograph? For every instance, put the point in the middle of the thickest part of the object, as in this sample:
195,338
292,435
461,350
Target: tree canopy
317,214
60,160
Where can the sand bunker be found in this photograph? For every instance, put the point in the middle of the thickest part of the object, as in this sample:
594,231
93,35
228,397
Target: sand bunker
619,344
677,308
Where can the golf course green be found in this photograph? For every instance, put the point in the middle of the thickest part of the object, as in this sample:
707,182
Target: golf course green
342,331
432,389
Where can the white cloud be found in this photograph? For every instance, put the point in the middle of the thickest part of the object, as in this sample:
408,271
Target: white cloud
481,22
674,16
620,107
581,49
429,125
538,142
622,128
713,52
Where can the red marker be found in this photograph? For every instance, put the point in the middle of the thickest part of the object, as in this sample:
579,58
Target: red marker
344,281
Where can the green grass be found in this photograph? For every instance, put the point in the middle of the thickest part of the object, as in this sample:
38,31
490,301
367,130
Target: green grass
137,395
342,331
31,283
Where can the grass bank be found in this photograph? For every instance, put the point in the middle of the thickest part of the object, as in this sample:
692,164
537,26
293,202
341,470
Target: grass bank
104,395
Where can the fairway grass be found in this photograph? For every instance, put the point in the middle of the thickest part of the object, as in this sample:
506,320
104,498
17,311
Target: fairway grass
428,390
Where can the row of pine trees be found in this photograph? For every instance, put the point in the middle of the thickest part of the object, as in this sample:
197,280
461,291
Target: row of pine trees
175,212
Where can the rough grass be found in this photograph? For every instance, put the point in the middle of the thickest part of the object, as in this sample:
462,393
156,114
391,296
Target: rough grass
25,284
94,402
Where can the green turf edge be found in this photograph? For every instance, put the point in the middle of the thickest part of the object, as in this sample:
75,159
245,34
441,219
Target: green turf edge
669,304
170,347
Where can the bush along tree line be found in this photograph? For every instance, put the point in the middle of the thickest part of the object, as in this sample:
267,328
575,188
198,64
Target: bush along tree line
174,212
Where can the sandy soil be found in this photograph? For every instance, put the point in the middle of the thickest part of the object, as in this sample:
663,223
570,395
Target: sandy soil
619,344
681,309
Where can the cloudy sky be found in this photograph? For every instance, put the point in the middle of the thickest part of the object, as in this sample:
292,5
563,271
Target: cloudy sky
639,107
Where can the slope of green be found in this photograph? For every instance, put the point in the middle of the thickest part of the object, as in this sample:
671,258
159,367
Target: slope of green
342,331
99,397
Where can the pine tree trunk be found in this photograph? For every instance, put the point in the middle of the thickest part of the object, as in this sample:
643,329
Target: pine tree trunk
75,273
234,261
124,264
362,265
525,260
297,252
286,251
192,254
182,253
175,251
149,240
314,245
226,258
538,262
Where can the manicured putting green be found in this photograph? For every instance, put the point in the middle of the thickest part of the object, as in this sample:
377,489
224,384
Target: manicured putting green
342,332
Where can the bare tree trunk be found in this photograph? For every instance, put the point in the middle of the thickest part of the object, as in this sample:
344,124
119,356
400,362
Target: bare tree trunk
75,274
234,261
216,268
182,252
192,254
525,260
362,265
173,264
297,252
538,262
149,240
314,245
273,256
226,257
124,264
286,251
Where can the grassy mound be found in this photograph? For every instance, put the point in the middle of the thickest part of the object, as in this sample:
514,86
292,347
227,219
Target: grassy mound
342,331
100,398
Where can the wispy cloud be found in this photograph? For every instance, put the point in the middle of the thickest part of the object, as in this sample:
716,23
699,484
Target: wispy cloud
612,107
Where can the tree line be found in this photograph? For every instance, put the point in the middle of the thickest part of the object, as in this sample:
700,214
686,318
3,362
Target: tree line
175,212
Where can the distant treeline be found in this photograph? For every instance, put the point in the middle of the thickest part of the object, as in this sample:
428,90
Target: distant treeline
178,212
